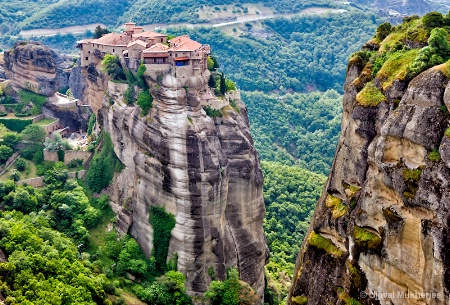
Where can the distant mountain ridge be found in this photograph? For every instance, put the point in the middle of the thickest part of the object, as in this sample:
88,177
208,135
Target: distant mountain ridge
409,7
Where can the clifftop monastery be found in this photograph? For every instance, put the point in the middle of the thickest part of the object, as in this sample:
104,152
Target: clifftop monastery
135,45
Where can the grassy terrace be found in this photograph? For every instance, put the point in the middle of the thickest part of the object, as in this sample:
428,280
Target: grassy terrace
45,122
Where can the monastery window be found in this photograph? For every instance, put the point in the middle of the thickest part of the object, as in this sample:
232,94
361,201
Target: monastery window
113,50
87,58
162,39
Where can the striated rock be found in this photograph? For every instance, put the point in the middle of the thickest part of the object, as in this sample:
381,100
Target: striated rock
203,170
394,237
76,82
35,67
2,73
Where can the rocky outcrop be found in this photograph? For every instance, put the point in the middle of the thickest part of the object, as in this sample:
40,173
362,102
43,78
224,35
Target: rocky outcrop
77,83
76,118
380,232
203,170
35,67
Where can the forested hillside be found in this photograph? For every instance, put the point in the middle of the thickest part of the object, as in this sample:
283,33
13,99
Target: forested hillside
17,15
300,128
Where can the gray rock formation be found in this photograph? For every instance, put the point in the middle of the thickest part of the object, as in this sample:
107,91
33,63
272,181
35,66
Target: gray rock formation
77,83
35,67
76,118
382,223
203,170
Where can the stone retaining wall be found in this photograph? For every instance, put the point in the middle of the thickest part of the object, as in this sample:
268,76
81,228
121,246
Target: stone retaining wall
69,155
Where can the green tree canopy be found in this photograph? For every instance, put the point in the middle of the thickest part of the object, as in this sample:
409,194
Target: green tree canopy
438,41
112,66
5,153
433,19
34,133
99,31
384,30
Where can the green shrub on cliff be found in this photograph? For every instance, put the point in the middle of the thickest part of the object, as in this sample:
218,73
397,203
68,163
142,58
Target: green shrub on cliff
112,66
338,207
432,20
383,30
162,223
145,101
232,291
92,120
365,239
103,166
436,53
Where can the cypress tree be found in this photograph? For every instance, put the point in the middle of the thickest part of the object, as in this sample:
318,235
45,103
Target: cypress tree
223,86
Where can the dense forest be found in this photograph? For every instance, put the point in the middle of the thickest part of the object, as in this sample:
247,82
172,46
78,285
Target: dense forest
300,128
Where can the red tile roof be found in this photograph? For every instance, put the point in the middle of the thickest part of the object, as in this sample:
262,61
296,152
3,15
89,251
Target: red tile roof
159,47
149,34
113,39
157,50
184,43
139,42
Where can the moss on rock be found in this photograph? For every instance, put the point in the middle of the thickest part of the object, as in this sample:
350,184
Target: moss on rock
318,241
370,96
366,239
338,207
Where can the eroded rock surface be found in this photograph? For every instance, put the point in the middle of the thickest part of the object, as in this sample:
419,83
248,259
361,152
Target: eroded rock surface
35,67
394,190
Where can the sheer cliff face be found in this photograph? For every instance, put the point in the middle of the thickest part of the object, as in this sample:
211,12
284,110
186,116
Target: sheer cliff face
382,223
203,170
